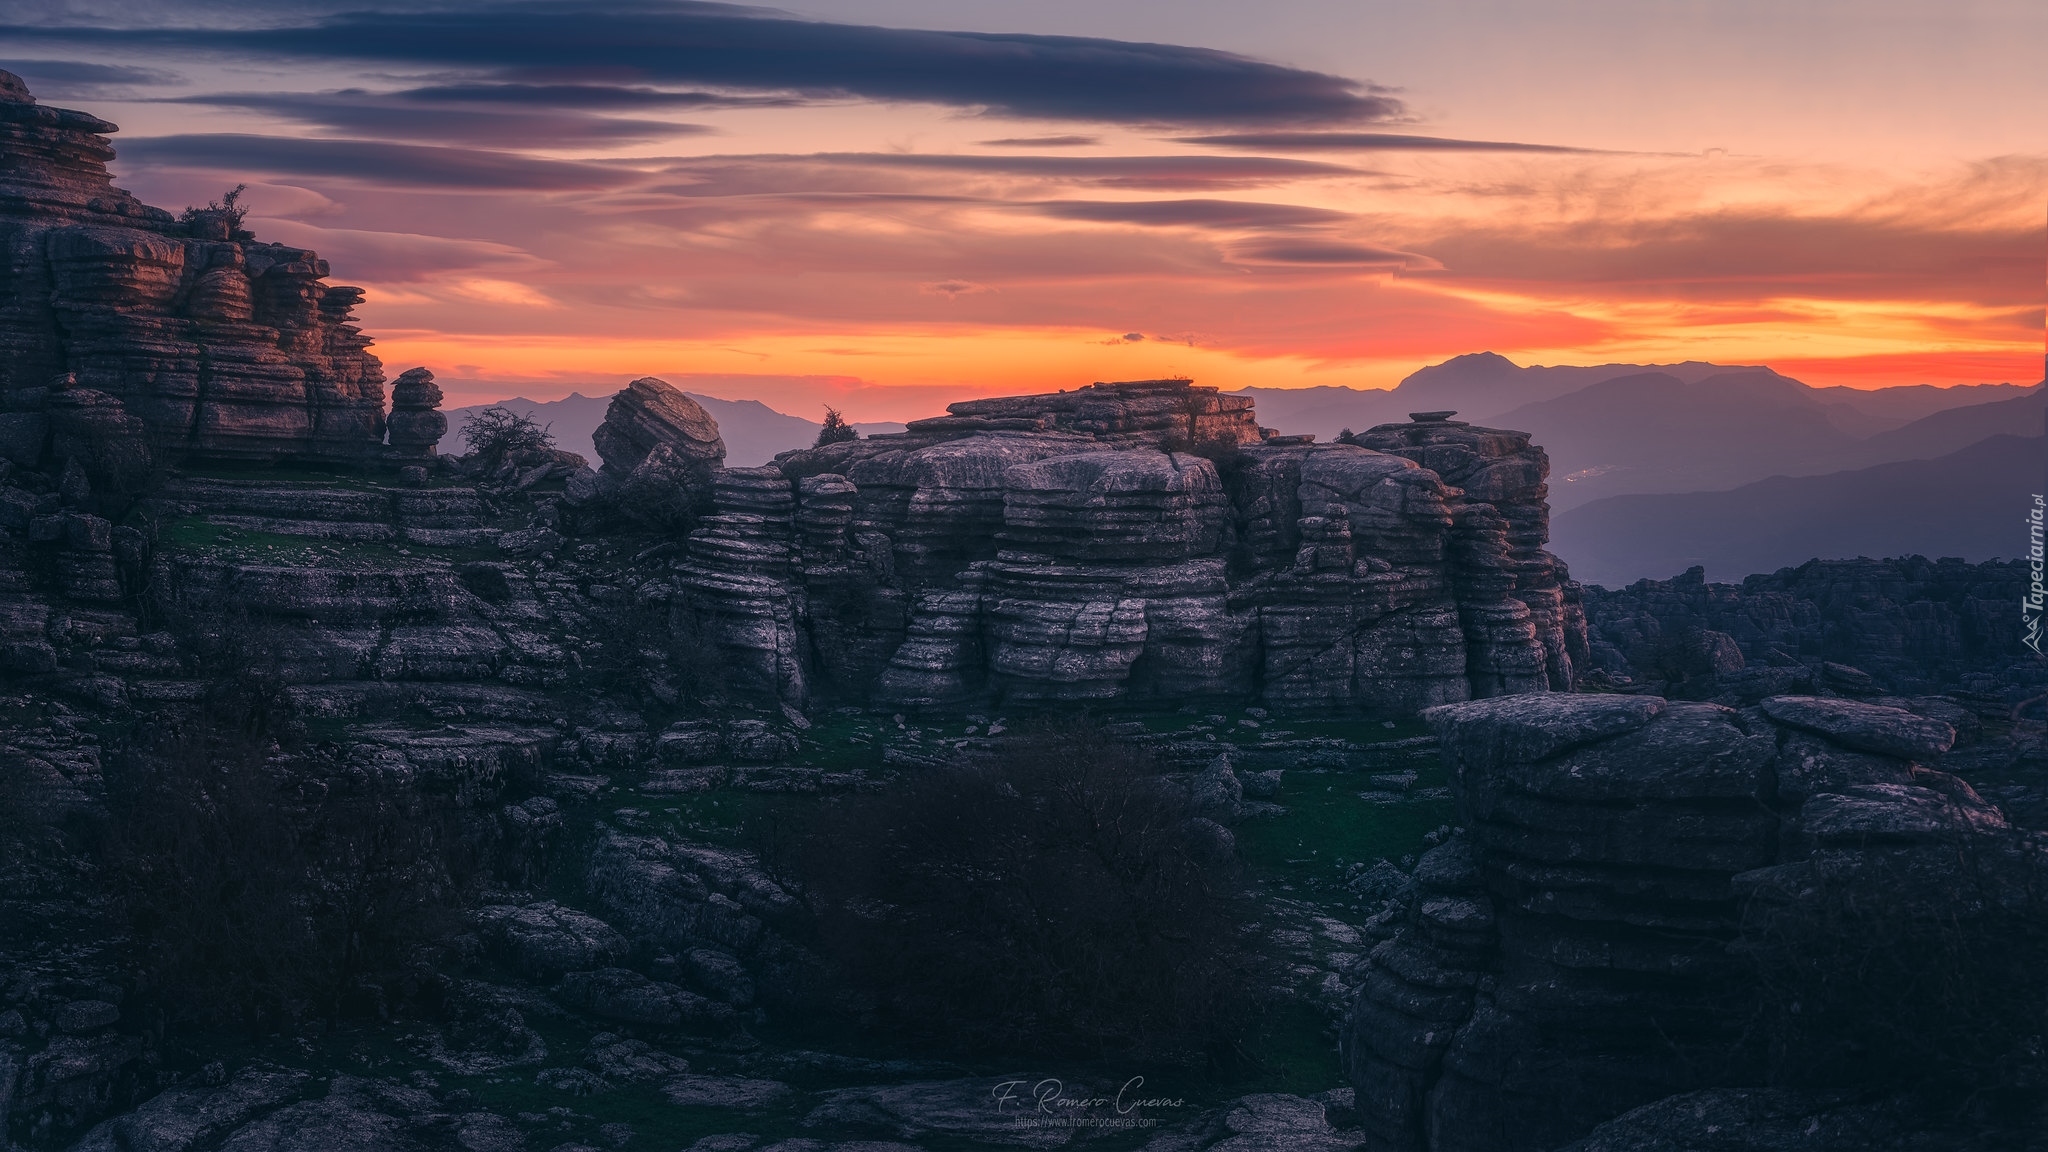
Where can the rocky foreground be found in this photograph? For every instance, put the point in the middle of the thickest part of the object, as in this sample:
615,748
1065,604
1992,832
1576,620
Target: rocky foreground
566,691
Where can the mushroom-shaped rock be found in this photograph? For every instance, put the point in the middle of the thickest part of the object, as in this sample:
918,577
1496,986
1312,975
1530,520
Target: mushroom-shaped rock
416,424
649,414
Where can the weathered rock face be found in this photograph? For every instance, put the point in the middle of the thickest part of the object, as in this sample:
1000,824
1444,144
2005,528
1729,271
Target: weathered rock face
1500,542
1578,950
219,345
660,450
1142,542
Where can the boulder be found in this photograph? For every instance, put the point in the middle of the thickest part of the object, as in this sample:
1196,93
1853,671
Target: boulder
651,413
740,1094
185,1119
546,940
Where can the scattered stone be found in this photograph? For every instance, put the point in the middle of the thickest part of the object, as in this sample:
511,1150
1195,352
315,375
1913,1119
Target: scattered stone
546,940
630,998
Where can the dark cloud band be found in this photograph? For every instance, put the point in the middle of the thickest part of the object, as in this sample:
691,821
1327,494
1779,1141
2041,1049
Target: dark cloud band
79,77
727,46
399,116
1364,142
376,162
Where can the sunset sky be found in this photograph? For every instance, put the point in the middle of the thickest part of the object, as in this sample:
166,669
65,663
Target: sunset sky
886,205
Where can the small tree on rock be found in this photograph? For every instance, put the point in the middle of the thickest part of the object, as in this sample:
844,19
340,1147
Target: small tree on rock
836,430
220,219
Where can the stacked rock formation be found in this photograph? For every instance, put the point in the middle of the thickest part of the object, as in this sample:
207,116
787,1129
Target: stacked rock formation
1504,514
416,424
220,346
1579,948
1140,541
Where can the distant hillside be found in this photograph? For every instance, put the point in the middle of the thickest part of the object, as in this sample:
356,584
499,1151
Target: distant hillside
1617,429
1888,408
1969,504
1940,433
1654,432
754,433
1484,386
1478,386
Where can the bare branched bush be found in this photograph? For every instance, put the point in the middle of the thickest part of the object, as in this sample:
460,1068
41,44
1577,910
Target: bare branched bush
1058,898
492,434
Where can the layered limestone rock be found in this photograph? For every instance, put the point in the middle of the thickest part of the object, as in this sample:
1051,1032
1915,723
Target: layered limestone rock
1502,554
1143,542
659,450
1581,947
222,347
649,415
1131,412
416,424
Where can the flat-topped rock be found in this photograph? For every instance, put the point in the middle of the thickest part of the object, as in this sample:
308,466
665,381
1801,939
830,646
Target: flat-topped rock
1530,728
1864,727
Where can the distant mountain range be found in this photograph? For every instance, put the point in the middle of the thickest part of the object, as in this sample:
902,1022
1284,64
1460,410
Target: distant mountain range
1655,468
753,432
1627,428
1970,503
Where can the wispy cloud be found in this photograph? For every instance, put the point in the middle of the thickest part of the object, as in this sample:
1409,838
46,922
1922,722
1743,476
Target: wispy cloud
1191,213
1066,141
844,171
1365,142
81,78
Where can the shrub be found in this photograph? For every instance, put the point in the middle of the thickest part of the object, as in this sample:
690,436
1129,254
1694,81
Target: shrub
1914,969
1056,898
220,219
494,433
835,430
266,888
